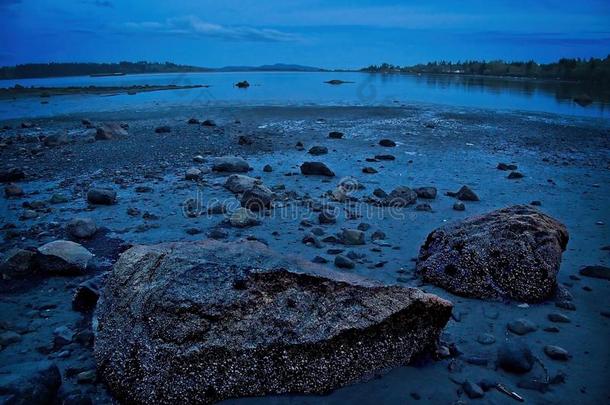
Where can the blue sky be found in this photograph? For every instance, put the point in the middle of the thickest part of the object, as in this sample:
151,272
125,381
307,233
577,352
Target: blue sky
330,34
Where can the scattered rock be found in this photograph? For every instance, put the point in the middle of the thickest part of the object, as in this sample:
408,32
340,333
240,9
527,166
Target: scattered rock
556,353
239,183
458,206
464,194
243,84
110,131
602,272
8,338
327,216
308,329
388,143
318,150
335,135
385,157
101,196
506,166
486,339
231,164
57,139
515,175
515,357
193,121
243,218
18,263
473,390
81,228
257,198
558,318
426,192
87,293
352,237
316,169
193,174
63,257
62,336
369,170
511,253
378,235
30,383
13,190
12,174
522,326
208,123
423,207
244,140
401,196
267,169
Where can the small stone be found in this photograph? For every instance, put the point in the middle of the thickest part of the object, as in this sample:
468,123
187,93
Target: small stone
522,326
86,377
335,135
558,318
458,206
426,192
601,272
423,207
81,228
267,169
198,159
472,390
486,339
369,170
515,175
318,150
62,336
208,123
231,164
64,257
243,217
352,237
515,357
101,196
13,190
9,337
556,352
193,121
343,262
163,129
327,217
506,167
192,174
466,194
316,169
388,143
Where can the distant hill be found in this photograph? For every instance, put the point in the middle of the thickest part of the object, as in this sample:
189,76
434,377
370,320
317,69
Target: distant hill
278,67
36,70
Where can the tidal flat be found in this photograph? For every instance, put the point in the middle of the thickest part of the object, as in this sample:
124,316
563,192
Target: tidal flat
160,169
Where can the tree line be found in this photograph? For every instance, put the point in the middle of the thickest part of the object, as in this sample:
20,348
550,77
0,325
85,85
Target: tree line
582,70
30,70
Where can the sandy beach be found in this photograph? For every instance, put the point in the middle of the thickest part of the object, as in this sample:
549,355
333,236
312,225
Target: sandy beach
565,163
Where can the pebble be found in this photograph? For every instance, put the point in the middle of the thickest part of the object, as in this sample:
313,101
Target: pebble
473,390
343,262
556,352
521,326
558,318
486,339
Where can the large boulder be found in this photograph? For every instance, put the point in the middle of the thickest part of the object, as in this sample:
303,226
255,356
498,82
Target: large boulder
231,164
205,321
63,257
511,253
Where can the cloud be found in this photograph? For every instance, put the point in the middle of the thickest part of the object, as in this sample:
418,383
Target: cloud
194,26
548,38
8,3
98,3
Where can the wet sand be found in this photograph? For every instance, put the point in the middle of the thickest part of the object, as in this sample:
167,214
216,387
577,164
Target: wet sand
565,160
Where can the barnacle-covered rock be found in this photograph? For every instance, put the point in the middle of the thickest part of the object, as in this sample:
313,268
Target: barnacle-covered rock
512,253
205,321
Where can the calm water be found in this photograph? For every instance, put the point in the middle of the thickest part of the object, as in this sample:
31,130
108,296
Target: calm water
273,88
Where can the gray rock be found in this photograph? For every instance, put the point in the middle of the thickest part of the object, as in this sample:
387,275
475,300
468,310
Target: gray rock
164,129
512,253
58,139
62,336
464,194
267,168
239,183
101,196
515,175
318,150
515,357
426,192
352,237
13,190
81,228
473,390
30,383
87,293
506,167
388,143
63,257
257,198
243,218
230,164
602,272
335,135
327,217
110,131
522,326
343,262
400,197
458,206
307,329
486,339
192,174
12,174
558,318
316,169
18,263
556,353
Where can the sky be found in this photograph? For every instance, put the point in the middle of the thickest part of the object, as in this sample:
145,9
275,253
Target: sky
328,34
